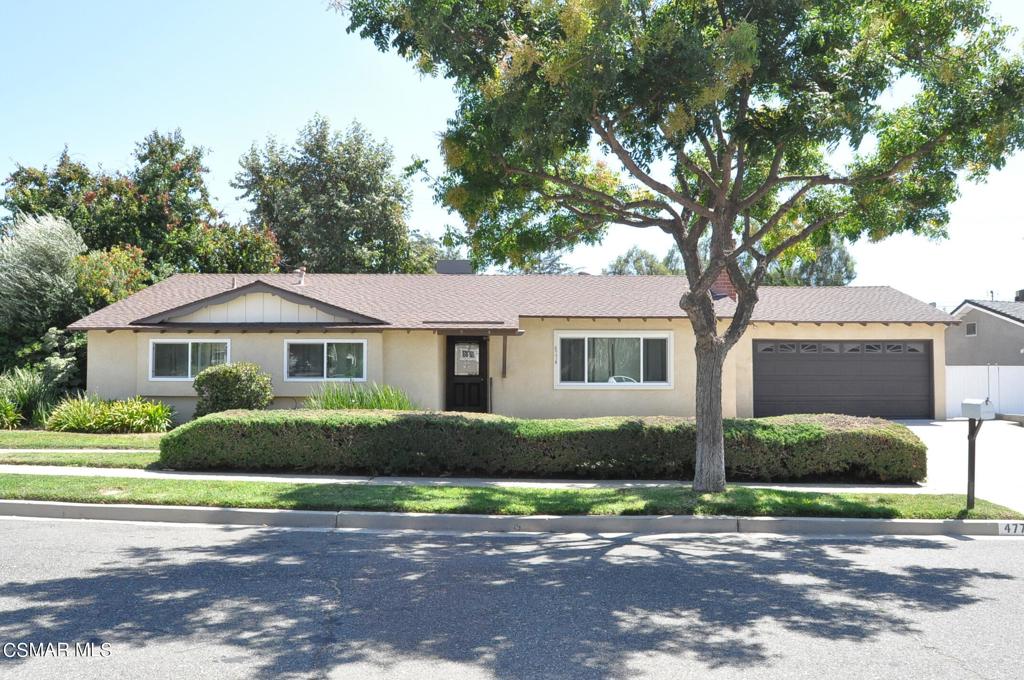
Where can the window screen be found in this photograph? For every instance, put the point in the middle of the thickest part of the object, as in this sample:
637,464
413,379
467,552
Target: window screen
655,360
306,361
345,360
614,360
170,360
571,360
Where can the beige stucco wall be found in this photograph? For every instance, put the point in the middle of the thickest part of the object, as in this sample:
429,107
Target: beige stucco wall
529,389
415,361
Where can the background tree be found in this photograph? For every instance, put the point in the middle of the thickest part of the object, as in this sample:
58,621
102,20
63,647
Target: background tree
164,190
106,276
543,263
719,118
333,200
639,262
220,248
829,264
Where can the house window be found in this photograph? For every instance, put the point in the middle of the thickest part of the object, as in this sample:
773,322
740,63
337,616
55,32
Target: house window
185,359
971,329
613,359
325,360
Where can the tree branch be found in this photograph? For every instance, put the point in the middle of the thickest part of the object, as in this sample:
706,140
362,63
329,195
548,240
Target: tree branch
634,168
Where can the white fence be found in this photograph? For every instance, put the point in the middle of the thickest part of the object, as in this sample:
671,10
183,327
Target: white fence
1004,385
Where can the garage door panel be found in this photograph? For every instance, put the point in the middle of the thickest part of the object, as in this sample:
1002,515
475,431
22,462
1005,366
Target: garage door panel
888,378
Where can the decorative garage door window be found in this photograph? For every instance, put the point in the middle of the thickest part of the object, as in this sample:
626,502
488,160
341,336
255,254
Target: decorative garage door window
467,358
834,347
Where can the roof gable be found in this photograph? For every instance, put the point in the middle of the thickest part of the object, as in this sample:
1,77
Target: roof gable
219,308
1011,312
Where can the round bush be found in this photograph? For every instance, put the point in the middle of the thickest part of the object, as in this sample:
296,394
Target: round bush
232,386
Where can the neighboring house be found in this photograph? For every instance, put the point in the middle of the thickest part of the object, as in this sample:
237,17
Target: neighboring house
985,354
531,346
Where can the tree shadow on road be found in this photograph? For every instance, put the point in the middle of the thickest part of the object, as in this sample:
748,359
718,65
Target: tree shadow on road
510,606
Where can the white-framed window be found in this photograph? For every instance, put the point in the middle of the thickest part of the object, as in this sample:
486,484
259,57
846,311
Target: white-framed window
971,329
184,359
613,359
319,360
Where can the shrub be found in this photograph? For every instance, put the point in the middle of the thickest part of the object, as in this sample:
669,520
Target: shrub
9,415
232,386
409,443
91,414
38,275
27,389
353,396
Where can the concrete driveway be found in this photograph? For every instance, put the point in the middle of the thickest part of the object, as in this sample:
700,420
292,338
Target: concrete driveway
1000,465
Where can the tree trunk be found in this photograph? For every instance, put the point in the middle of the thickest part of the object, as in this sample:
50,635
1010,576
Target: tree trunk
709,474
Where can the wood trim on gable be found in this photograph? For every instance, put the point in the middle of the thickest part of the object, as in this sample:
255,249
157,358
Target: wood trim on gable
254,287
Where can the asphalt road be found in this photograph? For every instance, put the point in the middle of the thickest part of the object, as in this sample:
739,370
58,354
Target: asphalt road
210,602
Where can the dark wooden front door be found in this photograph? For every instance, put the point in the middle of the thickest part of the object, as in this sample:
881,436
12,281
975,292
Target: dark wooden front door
466,382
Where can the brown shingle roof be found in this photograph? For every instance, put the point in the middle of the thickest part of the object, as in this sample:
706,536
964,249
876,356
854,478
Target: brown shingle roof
410,301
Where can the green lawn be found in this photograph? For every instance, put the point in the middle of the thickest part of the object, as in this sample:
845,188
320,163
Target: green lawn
102,459
517,501
41,439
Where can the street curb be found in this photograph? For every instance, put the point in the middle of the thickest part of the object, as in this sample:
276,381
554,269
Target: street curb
592,524
170,513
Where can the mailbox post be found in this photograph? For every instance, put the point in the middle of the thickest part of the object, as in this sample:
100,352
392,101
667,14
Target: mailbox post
976,411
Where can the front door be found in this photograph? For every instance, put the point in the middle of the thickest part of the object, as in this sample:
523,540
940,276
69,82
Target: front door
466,384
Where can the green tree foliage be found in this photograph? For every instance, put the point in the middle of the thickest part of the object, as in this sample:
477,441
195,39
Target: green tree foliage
637,261
106,276
160,206
543,263
742,100
333,199
165,190
827,265
221,248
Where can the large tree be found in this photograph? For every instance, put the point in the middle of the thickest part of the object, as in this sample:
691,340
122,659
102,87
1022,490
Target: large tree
334,201
720,118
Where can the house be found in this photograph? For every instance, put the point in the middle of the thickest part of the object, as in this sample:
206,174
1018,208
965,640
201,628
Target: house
985,354
529,346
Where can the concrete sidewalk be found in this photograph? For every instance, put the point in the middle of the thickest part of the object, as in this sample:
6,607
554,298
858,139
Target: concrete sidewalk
479,482
37,449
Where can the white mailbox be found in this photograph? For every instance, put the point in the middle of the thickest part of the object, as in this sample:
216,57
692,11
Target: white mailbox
978,409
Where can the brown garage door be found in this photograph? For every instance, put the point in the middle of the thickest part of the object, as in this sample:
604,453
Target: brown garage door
885,378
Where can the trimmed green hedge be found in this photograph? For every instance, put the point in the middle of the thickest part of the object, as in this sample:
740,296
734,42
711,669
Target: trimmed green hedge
814,447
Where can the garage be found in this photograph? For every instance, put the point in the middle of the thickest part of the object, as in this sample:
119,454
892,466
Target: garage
884,378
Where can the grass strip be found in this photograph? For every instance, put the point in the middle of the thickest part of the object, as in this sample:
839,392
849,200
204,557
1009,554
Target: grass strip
742,501
100,459
42,439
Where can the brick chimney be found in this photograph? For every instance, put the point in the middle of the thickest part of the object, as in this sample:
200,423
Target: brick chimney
723,286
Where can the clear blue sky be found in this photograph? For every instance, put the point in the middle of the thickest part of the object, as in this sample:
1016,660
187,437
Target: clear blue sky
99,76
